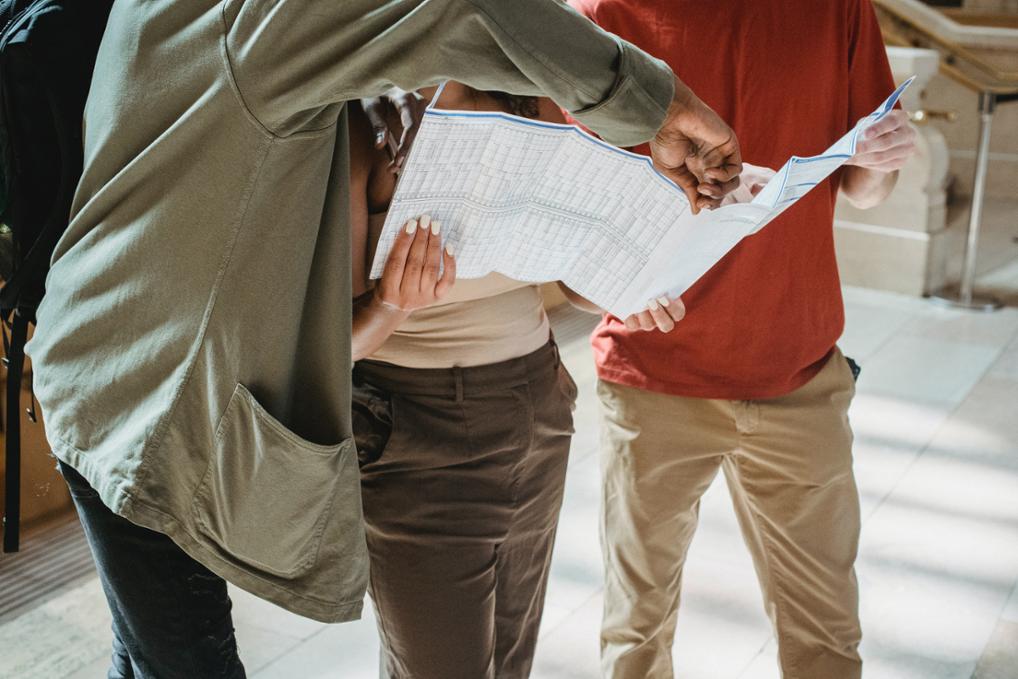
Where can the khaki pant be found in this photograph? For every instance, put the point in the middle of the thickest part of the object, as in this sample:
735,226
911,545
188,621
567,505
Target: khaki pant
788,463
461,503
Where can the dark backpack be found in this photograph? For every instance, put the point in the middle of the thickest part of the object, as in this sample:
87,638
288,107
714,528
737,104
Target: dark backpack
47,53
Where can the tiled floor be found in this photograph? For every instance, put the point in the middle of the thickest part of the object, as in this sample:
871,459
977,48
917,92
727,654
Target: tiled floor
936,420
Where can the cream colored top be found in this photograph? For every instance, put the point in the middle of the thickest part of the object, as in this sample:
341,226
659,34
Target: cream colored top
481,321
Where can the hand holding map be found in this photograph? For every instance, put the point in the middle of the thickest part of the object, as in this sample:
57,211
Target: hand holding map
539,202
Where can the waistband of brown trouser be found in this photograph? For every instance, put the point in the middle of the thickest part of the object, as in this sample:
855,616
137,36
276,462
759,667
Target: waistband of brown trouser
459,382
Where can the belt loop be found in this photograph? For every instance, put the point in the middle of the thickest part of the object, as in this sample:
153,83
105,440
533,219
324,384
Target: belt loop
457,376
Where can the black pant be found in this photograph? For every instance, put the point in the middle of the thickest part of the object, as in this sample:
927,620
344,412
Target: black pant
171,615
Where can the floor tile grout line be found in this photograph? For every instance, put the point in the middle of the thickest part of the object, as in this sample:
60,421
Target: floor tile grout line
986,648
547,633
294,649
758,654
1013,595
261,628
922,451
255,670
1000,619
933,435
891,336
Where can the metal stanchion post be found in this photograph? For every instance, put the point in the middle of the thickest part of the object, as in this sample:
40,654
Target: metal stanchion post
963,297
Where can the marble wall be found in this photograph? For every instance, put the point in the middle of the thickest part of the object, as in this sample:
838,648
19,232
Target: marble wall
944,94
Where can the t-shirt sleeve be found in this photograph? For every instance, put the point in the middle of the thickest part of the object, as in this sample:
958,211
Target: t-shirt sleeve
293,59
869,72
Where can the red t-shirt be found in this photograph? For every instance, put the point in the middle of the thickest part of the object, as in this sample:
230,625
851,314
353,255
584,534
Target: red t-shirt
791,77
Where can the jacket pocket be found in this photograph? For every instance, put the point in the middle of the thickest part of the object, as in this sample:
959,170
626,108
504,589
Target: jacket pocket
268,493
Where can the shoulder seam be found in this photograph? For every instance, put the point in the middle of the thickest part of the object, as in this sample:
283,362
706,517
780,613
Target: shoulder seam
238,94
231,77
551,68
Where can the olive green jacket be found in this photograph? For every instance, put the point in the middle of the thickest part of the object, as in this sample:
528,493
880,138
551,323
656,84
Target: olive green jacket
192,355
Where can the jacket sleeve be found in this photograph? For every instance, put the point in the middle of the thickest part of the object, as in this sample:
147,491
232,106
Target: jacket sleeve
292,61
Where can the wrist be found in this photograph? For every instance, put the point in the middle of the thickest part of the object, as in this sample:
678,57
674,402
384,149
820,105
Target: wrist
686,108
867,187
684,99
379,307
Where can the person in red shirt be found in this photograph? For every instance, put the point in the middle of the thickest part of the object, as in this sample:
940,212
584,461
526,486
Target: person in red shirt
751,380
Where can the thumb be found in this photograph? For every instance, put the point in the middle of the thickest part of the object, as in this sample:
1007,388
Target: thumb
669,153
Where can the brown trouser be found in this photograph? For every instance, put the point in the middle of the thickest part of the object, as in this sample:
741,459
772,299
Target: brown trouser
788,463
461,508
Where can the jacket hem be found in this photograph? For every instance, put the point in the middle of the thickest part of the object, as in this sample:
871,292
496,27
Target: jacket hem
121,502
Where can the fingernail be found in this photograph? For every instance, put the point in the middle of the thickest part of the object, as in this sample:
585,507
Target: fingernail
380,137
436,226
411,226
425,221
448,248
663,301
653,306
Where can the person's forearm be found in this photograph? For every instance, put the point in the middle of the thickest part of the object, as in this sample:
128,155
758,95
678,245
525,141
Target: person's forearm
373,323
865,187
347,50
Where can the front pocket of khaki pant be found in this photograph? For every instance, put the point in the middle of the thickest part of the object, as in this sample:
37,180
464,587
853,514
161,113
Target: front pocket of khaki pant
268,493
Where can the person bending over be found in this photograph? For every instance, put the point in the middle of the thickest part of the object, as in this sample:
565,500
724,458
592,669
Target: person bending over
186,350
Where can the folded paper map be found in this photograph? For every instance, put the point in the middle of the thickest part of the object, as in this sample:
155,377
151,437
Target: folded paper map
539,202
